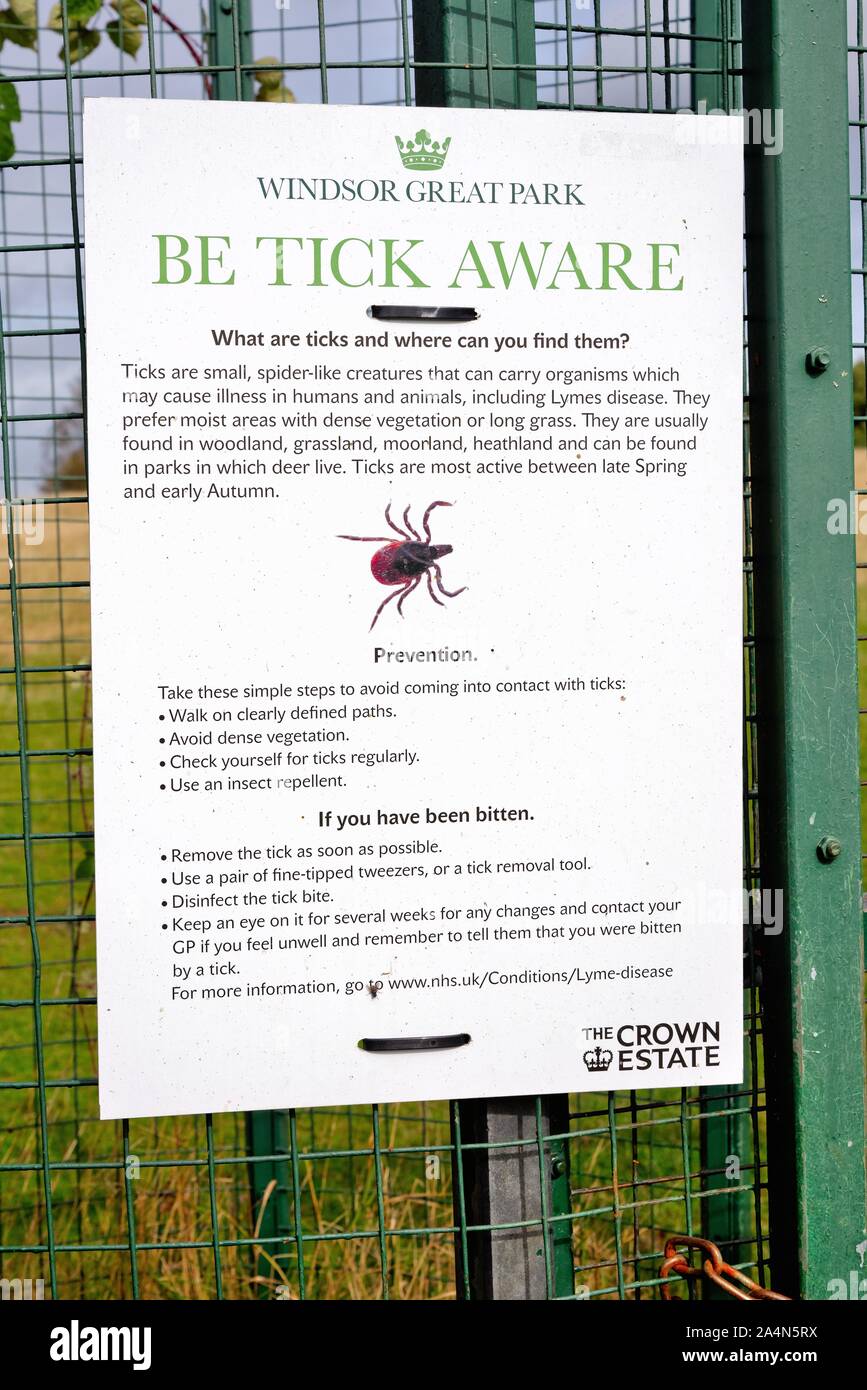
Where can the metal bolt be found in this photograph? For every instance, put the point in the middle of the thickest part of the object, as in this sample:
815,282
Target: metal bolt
558,1168
828,849
818,361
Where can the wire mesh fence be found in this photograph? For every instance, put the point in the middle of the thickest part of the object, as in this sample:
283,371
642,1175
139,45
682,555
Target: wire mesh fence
858,178
345,1204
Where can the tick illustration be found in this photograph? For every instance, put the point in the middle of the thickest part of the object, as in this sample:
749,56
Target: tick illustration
407,561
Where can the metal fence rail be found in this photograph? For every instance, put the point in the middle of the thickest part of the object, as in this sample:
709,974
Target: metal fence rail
370,1202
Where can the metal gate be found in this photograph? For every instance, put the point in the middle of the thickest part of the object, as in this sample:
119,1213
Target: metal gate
418,1201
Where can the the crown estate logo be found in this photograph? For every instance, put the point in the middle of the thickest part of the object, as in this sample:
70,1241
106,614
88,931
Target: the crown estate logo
597,1060
424,153
645,1046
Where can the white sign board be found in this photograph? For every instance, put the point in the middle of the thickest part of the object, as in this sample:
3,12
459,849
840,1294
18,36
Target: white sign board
417,671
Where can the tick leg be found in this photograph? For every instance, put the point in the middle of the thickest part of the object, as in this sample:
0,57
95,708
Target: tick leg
394,593
405,593
449,593
425,526
394,526
408,524
430,589
388,539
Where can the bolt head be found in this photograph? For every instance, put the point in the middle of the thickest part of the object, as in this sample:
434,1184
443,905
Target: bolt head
818,361
828,849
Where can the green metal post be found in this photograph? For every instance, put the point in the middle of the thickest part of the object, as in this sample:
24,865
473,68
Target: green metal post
795,64
268,1134
229,47
486,34
514,1238
724,1128
511,1180
708,54
727,1158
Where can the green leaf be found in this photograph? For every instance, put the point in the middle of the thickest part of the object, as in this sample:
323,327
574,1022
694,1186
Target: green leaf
124,36
25,12
80,11
266,78
10,109
81,42
130,11
84,867
270,81
15,31
7,141
274,94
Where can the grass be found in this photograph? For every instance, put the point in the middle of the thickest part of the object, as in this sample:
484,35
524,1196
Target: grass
635,1173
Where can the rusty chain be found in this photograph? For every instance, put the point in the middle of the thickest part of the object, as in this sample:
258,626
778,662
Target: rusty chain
713,1267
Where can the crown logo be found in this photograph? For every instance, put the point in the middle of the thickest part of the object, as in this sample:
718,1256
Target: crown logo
598,1060
424,153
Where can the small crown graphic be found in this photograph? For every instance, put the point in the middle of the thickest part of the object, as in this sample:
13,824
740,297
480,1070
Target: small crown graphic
598,1060
425,153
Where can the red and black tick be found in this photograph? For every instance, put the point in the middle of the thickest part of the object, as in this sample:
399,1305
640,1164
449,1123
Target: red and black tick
404,562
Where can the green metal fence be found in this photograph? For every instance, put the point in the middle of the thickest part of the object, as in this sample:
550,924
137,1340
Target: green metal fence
384,1202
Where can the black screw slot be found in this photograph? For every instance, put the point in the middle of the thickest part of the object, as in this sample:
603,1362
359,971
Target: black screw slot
414,1044
428,313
